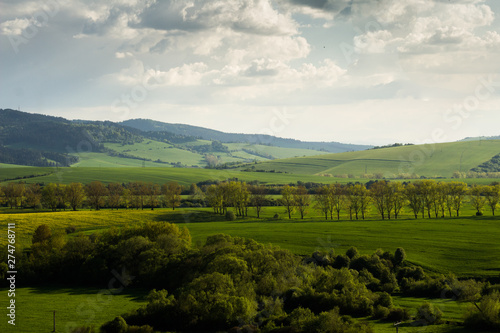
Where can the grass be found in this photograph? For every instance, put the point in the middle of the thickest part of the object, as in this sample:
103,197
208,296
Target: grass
160,175
466,246
184,176
430,160
102,160
74,307
452,312
155,150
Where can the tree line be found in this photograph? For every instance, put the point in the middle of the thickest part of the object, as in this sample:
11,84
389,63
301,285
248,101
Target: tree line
423,198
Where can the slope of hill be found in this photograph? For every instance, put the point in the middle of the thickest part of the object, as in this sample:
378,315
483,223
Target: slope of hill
38,140
209,134
432,160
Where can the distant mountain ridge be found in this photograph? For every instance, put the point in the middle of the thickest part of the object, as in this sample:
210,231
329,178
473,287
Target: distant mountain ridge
148,125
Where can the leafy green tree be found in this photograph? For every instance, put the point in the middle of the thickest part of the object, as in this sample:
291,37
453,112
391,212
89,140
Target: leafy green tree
336,197
61,196
115,195
211,300
458,191
379,192
33,196
302,200
13,193
96,193
492,196
322,202
49,196
171,194
287,199
75,195
429,314
258,198
412,193
477,199
138,191
442,198
152,192
215,198
117,325
428,195
398,197
399,256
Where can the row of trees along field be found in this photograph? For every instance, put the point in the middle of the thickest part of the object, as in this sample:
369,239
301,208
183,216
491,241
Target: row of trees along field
425,198
238,285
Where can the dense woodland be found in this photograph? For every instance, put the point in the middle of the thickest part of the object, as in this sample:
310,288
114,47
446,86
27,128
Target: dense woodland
423,198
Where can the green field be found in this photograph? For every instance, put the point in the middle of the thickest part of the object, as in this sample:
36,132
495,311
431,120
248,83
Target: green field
154,150
74,307
464,246
431,160
184,176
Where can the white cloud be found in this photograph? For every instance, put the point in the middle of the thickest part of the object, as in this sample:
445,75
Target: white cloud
14,27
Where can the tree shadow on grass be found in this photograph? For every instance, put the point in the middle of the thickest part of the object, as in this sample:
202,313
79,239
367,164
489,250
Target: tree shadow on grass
190,216
135,294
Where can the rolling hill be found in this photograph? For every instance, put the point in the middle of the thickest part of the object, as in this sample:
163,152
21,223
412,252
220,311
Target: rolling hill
148,125
432,160
45,141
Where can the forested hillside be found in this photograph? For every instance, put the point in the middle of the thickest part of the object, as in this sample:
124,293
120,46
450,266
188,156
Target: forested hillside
209,134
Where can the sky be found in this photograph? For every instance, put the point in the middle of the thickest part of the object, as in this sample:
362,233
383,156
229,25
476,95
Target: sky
353,71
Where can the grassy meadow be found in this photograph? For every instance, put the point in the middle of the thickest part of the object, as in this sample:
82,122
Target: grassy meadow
74,307
430,160
466,246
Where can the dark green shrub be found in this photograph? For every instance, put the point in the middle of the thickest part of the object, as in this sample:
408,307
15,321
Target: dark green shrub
384,300
276,216
352,253
488,318
380,312
429,314
398,314
140,329
399,256
230,216
117,325
83,329
341,261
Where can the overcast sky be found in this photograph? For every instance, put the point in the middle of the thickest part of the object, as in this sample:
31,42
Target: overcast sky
355,71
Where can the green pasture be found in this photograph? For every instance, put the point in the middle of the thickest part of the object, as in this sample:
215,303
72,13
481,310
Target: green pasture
103,160
154,150
430,160
466,246
184,176
74,307
275,152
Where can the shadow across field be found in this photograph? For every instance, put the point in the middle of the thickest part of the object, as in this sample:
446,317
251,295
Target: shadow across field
134,294
189,216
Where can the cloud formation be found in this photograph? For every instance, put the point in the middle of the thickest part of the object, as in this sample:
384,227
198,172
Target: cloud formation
335,55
